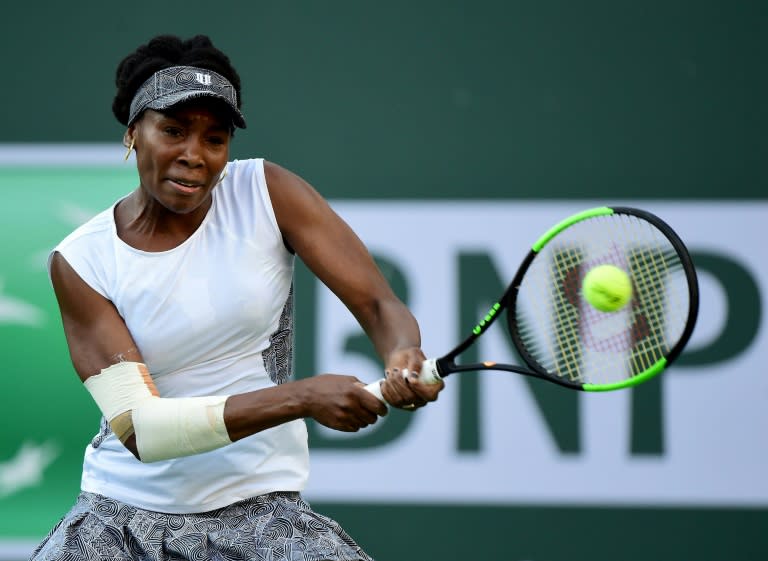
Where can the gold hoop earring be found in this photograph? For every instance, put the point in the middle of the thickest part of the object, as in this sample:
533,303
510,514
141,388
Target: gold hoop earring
130,149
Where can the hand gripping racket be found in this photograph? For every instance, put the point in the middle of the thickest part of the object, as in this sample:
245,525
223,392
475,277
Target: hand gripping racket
560,336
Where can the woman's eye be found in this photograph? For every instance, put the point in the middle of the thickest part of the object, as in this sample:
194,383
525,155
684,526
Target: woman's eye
172,131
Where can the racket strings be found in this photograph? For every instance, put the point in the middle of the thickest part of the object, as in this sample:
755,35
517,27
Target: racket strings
563,348
652,341
568,337
567,353
653,269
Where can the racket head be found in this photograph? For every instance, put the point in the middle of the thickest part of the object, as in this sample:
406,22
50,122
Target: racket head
563,338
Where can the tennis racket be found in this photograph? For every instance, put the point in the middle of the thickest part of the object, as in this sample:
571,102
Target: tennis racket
564,339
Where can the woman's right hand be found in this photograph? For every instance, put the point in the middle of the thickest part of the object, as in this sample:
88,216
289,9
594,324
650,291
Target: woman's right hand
341,402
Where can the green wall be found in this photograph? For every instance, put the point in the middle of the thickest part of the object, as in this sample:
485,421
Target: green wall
486,98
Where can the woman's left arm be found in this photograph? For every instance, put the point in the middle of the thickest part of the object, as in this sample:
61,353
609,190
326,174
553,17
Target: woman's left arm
337,256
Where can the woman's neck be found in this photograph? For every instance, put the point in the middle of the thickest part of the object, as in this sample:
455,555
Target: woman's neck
145,224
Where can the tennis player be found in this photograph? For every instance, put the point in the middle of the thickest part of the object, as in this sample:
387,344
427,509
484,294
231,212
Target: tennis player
177,308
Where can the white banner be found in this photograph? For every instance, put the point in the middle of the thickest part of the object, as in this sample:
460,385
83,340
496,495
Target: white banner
714,416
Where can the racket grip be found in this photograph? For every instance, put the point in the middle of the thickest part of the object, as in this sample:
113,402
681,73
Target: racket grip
427,375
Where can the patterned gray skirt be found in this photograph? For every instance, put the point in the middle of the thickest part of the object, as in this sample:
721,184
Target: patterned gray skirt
272,527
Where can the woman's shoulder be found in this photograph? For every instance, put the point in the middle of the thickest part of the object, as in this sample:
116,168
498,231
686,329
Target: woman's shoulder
259,167
92,230
244,198
248,165
88,247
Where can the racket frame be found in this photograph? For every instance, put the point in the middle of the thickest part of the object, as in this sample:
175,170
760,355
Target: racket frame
446,364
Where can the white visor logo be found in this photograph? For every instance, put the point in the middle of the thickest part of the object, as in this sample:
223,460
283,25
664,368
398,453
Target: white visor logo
204,79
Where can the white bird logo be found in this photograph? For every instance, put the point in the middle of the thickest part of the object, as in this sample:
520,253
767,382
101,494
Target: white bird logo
17,311
26,468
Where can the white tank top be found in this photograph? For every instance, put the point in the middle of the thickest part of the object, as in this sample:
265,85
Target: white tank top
212,316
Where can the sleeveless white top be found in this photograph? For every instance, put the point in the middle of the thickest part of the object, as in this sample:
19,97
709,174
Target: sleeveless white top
212,316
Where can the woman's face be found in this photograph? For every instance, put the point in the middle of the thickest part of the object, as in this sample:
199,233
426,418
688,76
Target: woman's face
181,153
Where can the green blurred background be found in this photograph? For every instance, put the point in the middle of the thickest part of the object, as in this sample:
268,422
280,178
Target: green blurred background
437,98
485,99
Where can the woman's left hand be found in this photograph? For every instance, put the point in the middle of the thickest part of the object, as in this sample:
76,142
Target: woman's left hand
401,387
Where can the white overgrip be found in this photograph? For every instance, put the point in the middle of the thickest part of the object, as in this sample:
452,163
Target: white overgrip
427,375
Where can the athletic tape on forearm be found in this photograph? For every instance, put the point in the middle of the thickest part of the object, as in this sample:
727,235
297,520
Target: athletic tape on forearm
182,426
165,427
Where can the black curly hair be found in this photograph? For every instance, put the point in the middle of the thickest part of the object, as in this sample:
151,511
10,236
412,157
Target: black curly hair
162,52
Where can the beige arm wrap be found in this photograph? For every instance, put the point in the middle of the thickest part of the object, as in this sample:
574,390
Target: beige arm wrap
165,427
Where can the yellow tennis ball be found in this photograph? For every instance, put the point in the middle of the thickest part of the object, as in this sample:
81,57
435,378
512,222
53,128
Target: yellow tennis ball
607,288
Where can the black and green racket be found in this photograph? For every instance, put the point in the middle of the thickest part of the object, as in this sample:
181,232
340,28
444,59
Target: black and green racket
606,299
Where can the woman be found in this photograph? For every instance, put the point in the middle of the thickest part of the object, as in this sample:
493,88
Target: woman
177,307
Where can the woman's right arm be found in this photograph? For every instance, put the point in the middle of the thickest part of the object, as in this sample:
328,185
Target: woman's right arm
98,339
96,334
